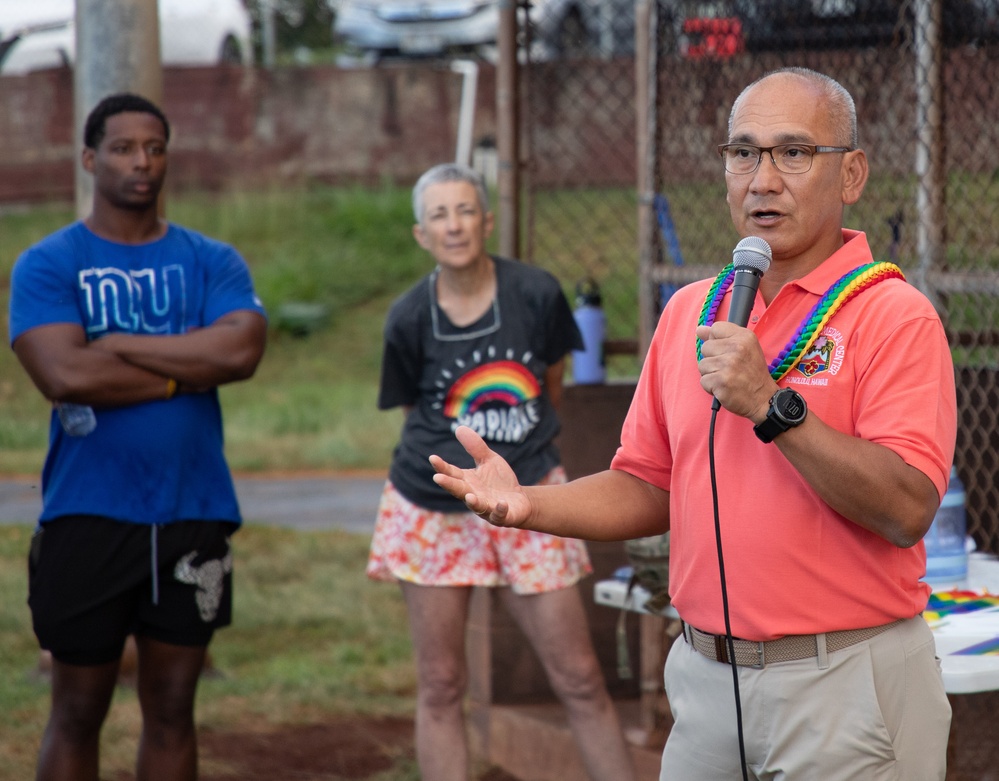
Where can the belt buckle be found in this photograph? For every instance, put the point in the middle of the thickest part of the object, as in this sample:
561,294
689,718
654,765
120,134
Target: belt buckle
721,652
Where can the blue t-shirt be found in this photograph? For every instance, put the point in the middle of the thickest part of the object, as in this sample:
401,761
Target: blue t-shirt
153,462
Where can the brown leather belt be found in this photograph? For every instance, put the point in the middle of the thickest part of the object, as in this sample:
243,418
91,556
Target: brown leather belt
784,649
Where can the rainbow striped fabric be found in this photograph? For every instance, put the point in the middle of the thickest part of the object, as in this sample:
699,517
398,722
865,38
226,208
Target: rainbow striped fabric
944,604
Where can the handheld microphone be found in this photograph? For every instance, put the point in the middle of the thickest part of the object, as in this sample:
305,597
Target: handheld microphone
751,259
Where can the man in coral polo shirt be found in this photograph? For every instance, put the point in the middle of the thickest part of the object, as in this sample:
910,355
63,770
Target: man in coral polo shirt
832,449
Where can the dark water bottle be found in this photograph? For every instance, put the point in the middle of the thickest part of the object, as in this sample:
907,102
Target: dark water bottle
946,554
77,420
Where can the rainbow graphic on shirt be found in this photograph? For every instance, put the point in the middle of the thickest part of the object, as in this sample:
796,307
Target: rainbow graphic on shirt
500,383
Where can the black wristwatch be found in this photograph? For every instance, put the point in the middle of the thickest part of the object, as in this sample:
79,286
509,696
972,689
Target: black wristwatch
787,410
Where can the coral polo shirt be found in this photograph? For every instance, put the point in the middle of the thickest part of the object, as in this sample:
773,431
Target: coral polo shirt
880,370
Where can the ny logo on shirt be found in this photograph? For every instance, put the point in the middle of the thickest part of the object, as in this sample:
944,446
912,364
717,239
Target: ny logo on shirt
135,301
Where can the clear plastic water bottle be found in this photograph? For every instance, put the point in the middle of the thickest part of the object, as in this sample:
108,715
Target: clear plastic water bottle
588,364
946,554
77,420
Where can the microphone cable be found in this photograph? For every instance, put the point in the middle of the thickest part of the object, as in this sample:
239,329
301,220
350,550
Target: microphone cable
750,261
724,591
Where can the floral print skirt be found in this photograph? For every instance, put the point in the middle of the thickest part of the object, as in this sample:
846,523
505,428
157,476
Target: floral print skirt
434,548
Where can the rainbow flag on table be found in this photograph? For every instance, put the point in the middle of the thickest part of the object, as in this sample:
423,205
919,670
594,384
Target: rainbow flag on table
946,603
985,648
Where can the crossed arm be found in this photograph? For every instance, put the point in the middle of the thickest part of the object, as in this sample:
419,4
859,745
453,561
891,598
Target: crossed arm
123,368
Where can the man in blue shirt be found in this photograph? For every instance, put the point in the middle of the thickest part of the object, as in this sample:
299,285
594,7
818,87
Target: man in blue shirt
134,322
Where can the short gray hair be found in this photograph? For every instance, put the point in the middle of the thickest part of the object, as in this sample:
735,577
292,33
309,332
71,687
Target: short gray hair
842,109
448,172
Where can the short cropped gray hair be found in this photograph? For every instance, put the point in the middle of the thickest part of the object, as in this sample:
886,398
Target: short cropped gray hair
842,109
448,172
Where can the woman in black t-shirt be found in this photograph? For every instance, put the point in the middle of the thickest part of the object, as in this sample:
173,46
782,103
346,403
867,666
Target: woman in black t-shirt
481,341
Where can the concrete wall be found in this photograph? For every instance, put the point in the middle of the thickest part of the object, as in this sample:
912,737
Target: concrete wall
392,122
235,125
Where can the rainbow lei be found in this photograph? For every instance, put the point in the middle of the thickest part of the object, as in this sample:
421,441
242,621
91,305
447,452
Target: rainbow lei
841,291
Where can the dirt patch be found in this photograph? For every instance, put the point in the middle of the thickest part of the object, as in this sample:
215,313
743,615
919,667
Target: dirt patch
344,749
347,749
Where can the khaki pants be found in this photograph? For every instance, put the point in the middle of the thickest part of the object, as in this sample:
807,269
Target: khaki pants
873,711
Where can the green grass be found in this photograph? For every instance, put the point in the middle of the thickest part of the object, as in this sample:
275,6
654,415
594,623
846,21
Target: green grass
312,403
311,638
312,633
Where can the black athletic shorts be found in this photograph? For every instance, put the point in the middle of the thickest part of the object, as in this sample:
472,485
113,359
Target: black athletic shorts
92,581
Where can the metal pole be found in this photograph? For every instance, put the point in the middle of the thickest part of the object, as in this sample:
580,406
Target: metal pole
607,17
469,71
507,131
930,228
117,50
269,33
645,119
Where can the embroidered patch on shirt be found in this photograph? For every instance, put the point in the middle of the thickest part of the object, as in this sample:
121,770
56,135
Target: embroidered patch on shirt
825,355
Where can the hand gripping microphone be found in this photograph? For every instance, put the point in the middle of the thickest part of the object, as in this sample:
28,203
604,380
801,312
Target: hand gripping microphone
751,259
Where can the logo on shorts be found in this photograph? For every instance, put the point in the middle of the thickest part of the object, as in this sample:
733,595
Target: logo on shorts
208,577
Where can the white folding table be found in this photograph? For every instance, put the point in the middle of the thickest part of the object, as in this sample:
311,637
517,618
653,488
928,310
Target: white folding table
967,642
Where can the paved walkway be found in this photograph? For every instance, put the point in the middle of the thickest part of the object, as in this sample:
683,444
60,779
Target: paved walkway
311,502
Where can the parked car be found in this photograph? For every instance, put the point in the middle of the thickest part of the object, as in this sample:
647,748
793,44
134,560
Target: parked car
419,28
439,28
40,34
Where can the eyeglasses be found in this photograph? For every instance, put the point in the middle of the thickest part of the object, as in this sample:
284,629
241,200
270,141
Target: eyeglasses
788,158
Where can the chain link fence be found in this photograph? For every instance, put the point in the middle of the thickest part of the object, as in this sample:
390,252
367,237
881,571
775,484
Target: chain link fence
925,78
578,143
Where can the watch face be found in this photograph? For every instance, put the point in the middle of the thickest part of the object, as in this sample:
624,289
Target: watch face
790,406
